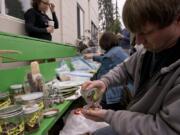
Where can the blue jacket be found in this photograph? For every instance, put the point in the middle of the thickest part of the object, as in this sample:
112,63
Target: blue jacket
125,42
109,60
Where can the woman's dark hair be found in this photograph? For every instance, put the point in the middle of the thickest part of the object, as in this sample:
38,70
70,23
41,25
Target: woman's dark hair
81,46
108,40
35,4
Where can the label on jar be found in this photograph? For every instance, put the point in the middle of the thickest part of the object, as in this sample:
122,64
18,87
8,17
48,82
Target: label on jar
34,119
5,103
13,131
0,129
41,105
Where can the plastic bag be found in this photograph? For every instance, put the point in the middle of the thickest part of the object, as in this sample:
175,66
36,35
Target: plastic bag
77,124
62,71
79,64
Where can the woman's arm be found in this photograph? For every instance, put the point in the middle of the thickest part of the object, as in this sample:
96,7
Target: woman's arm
56,23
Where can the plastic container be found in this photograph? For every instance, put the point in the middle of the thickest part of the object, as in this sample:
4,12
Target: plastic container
51,23
31,115
11,120
5,100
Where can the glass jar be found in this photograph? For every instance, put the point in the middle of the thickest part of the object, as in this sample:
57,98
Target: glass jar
26,87
11,120
32,116
15,91
92,98
31,99
5,100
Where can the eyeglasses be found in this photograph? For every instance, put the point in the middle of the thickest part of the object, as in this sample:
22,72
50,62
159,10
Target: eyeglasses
46,3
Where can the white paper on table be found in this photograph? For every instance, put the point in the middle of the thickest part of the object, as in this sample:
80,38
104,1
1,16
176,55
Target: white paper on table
75,96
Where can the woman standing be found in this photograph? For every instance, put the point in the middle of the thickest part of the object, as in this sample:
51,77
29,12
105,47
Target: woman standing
37,23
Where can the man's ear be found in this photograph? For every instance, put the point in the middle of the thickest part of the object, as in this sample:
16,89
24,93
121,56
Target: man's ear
178,19
178,23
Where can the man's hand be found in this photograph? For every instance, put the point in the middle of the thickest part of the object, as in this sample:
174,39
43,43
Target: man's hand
95,114
52,7
94,84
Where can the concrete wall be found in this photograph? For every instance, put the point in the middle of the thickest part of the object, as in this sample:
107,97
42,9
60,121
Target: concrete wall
69,18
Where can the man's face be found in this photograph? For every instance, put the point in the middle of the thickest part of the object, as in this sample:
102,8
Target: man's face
155,39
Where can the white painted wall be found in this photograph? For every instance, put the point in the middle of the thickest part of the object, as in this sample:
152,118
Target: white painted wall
11,25
94,12
69,18
66,11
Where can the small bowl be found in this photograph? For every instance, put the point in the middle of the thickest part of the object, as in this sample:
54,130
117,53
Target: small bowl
50,112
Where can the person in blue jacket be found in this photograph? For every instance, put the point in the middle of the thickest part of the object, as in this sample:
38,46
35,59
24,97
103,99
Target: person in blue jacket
113,55
37,23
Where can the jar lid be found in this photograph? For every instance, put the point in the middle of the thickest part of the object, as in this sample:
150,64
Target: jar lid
32,96
4,95
30,108
16,86
11,111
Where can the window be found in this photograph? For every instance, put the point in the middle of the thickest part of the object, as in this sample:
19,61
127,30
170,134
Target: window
0,6
80,22
15,8
94,32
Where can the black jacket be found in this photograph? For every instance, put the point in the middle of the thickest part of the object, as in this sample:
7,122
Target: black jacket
36,23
